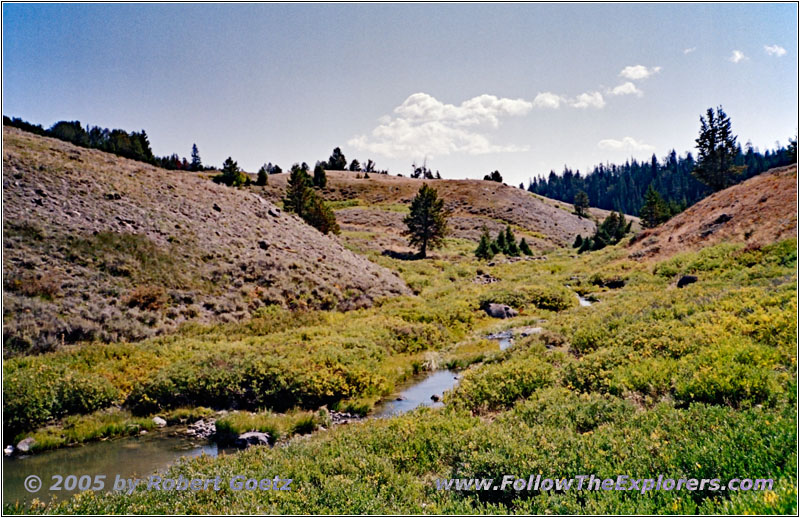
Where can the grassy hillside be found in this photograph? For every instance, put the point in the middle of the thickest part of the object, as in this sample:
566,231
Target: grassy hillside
98,247
376,206
758,211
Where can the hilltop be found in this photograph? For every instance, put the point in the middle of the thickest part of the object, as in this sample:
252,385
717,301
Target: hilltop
760,210
377,204
101,247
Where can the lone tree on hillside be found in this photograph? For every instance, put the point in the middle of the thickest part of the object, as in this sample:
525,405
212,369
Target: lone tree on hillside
355,166
716,151
196,164
524,247
337,161
320,178
231,175
263,175
426,221
581,203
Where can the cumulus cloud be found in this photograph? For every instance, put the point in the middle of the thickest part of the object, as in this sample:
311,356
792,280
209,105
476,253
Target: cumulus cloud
548,100
626,144
626,88
774,50
689,50
424,126
737,56
589,99
638,72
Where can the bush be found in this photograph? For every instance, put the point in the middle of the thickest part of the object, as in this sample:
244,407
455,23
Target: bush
148,298
499,385
34,397
550,297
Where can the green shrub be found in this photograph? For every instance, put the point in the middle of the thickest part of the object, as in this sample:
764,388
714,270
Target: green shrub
34,397
500,385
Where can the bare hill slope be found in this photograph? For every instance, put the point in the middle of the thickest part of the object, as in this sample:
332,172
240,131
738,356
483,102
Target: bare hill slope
760,210
100,247
473,203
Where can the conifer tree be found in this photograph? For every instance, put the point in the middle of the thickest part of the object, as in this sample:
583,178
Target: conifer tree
196,164
320,178
500,241
263,175
654,211
484,250
524,247
511,243
427,220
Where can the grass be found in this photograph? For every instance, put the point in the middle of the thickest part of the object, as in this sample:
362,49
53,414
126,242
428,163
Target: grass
650,380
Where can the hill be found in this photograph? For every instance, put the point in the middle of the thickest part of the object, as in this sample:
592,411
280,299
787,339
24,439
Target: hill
760,210
377,204
101,247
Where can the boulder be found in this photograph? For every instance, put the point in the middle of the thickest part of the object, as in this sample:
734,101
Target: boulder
160,422
686,280
251,438
500,311
25,444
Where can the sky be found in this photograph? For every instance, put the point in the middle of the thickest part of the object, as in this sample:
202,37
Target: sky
465,88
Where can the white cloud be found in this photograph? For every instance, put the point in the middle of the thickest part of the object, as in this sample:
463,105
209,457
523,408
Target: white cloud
548,100
626,88
689,50
774,50
737,56
589,99
425,126
637,72
627,144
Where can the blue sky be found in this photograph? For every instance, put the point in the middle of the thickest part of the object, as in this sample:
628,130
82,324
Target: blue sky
522,88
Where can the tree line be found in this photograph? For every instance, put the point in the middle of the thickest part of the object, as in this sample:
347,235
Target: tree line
134,145
624,187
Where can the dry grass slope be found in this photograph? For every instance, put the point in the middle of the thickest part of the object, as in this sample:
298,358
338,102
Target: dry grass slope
760,210
100,247
545,223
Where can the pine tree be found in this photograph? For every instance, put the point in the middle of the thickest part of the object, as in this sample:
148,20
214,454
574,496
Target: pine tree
511,243
484,250
654,211
578,241
716,151
337,161
196,164
263,175
355,166
320,178
320,216
500,241
231,175
298,192
581,203
426,221
524,247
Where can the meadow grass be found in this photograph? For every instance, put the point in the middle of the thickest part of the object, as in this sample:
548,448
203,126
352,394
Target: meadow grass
652,379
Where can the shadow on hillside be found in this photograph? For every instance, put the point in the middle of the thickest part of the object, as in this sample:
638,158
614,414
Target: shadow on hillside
403,256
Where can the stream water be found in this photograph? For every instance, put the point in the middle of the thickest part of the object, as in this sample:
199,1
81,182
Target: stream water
127,457
144,455
418,393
